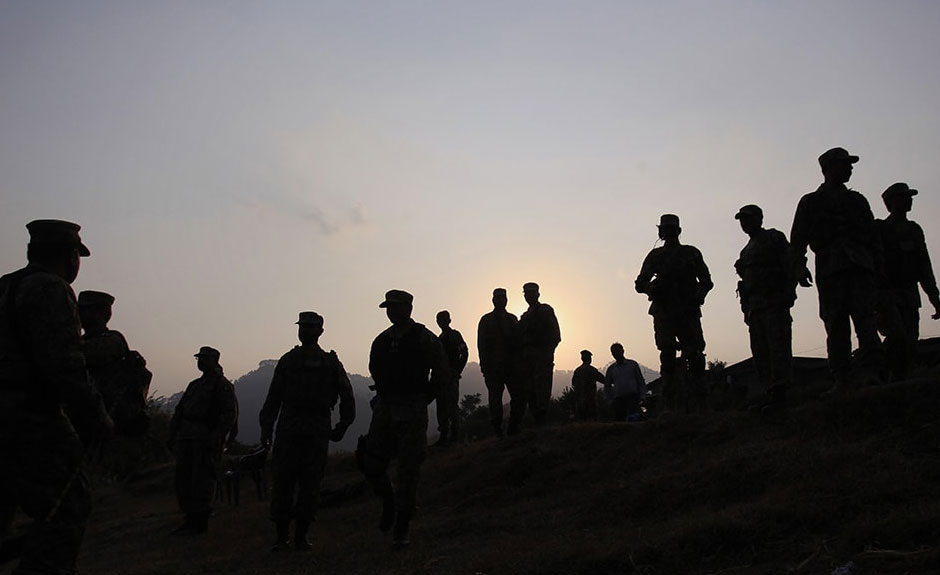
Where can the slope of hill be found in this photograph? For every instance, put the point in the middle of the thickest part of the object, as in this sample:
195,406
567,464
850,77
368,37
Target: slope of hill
831,481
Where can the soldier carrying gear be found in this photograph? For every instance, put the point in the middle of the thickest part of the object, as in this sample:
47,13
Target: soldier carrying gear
201,427
837,224
498,348
767,290
539,334
50,413
676,280
907,264
408,366
306,385
455,349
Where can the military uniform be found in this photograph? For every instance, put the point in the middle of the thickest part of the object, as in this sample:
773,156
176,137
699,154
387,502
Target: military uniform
540,335
906,264
838,225
767,290
677,280
448,414
202,421
306,385
45,397
498,347
584,382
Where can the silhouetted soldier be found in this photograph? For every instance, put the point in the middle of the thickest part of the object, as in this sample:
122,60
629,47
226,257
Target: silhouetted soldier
540,335
448,416
906,264
199,429
498,347
49,411
624,386
306,384
837,224
767,290
677,280
119,373
408,366
584,382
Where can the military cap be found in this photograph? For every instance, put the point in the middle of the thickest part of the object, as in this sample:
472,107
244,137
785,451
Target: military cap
586,352
898,190
310,318
206,351
530,286
56,233
89,298
835,155
749,210
499,292
669,220
397,296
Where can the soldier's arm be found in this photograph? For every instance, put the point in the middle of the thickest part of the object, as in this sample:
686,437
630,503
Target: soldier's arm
463,353
228,411
481,344
703,276
347,401
599,377
556,329
925,275
647,271
272,402
640,379
799,242
440,370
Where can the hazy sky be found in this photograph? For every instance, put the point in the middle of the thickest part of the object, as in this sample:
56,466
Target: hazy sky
234,163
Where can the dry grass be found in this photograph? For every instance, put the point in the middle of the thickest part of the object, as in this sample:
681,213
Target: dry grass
832,481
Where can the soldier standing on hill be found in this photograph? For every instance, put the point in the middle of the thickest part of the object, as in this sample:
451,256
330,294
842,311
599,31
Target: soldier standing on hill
624,386
498,347
584,382
408,366
540,335
448,416
907,263
767,290
677,280
50,413
306,385
201,424
838,225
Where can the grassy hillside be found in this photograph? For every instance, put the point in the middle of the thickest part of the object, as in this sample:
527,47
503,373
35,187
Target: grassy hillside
832,481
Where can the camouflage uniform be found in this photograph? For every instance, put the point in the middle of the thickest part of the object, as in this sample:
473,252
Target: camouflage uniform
540,335
837,224
767,290
906,264
676,280
583,383
306,385
204,418
42,370
498,347
400,361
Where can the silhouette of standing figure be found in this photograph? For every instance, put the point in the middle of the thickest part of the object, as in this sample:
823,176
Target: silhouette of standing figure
449,396
540,336
498,347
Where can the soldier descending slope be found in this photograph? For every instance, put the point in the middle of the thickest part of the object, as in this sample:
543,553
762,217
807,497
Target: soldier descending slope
498,347
306,384
907,263
201,424
42,373
767,290
677,280
408,365
837,224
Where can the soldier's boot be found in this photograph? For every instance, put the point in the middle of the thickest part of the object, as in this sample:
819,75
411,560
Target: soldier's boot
388,511
443,440
498,431
301,543
400,538
189,524
282,539
839,386
201,523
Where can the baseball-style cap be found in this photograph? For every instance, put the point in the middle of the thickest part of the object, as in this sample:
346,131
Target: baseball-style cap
669,220
835,155
530,286
586,352
899,189
310,318
397,296
90,298
206,351
56,233
499,292
749,210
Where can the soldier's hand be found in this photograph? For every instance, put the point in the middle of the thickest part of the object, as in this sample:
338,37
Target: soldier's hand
936,313
337,433
266,441
806,278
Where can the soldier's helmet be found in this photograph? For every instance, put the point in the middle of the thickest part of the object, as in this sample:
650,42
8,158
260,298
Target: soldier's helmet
208,352
397,296
835,155
91,298
750,210
898,190
668,220
56,233
310,318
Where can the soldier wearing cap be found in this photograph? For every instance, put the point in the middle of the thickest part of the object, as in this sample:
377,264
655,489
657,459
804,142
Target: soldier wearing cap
498,348
50,413
408,366
306,385
119,373
540,335
202,424
455,348
584,382
907,264
676,280
767,290
837,224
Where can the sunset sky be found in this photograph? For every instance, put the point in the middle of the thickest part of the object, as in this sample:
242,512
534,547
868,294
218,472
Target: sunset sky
233,163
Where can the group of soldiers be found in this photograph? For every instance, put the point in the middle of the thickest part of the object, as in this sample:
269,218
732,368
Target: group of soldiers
867,272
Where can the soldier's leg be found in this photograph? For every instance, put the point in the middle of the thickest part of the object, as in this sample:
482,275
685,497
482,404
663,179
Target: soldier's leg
665,337
833,310
412,450
757,327
891,325
184,474
863,302
545,368
206,469
494,392
378,449
692,344
285,463
515,384
313,456
910,317
780,340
